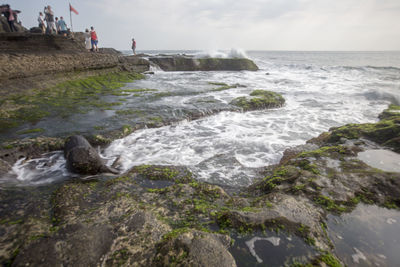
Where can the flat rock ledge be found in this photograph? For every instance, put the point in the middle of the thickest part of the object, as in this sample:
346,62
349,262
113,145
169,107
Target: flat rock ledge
29,60
187,63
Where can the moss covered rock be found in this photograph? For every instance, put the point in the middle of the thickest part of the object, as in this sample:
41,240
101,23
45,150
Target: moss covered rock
259,99
188,247
386,132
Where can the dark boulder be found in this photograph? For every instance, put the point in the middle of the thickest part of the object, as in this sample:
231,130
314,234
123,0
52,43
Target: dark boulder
185,63
83,158
35,30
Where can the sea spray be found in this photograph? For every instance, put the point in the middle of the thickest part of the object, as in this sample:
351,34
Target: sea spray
233,53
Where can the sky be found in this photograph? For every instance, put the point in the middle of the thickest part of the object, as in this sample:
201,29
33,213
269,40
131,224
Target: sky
295,25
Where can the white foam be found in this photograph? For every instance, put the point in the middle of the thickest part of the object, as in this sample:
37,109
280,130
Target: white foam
251,245
49,168
391,221
358,256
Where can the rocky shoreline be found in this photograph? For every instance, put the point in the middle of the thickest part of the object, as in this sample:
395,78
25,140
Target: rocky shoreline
161,215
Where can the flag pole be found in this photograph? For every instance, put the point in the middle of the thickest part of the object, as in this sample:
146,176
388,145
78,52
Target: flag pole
70,17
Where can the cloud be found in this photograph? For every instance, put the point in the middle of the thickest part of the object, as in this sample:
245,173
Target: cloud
251,24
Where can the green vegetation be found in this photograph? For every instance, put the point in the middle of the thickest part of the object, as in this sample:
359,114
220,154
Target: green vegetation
326,151
224,86
64,99
139,90
260,99
175,233
36,130
330,260
384,132
121,256
218,83
280,175
156,119
328,204
157,173
391,111
308,166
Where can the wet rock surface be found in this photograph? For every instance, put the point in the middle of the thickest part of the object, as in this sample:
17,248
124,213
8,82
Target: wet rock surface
82,158
259,99
38,61
186,63
160,215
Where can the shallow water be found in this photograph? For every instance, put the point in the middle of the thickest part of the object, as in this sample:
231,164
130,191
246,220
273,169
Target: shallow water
382,159
270,249
322,90
368,236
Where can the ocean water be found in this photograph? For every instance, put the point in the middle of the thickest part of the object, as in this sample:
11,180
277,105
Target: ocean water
322,90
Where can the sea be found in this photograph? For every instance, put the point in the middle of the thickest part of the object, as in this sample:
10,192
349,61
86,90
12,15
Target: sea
322,90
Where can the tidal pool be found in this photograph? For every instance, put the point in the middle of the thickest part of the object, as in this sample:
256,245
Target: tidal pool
368,236
382,159
270,249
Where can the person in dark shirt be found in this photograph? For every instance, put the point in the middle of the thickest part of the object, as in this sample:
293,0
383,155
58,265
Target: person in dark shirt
10,16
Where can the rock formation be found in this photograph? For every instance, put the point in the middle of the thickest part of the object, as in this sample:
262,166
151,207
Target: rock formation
259,99
161,216
4,27
187,63
82,158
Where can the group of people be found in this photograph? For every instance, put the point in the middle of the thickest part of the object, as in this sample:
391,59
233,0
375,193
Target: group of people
11,16
50,24
91,40
53,24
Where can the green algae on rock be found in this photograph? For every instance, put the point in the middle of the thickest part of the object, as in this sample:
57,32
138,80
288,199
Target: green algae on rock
259,99
69,97
386,132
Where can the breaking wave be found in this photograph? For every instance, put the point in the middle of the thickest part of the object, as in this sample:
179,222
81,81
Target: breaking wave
233,53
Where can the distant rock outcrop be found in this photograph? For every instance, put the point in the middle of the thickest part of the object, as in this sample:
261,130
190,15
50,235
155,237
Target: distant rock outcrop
186,63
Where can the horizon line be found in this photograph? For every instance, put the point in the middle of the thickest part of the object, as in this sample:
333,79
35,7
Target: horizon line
272,50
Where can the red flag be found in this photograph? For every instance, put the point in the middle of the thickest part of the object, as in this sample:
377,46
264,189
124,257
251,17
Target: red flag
73,9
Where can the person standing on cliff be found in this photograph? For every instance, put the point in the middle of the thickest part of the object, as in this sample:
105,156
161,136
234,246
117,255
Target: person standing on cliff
49,19
88,40
134,46
57,26
41,22
94,39
62,27
9,14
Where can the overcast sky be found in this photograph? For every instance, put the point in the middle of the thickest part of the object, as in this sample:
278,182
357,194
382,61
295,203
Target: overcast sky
225,24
